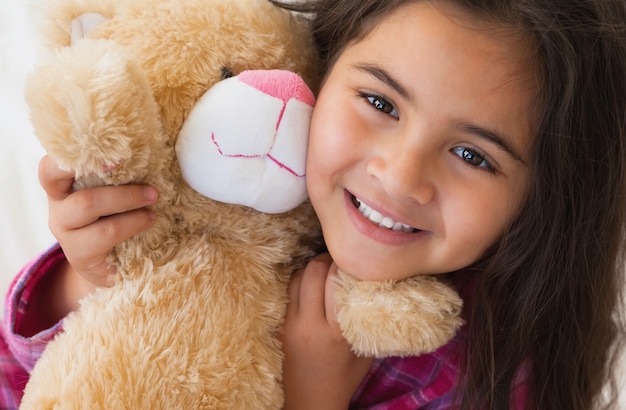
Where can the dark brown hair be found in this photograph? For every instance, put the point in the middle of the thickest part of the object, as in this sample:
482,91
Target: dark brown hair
550,292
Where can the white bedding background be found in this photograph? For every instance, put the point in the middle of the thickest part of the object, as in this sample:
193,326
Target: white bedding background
23,209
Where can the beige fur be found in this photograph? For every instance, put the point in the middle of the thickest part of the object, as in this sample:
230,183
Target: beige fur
404,318
191,322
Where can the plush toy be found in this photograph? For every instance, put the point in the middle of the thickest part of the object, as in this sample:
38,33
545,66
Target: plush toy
200,99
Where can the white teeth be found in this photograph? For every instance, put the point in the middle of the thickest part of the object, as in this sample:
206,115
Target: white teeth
381,220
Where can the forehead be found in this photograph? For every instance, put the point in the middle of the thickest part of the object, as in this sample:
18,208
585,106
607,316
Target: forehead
455,29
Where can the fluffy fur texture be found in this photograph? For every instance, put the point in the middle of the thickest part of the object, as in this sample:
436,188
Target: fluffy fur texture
409,317
191,322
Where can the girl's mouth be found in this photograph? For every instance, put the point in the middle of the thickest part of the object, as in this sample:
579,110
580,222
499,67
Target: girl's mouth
379,219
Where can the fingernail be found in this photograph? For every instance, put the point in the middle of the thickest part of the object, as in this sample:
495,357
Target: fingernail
150,193
152,215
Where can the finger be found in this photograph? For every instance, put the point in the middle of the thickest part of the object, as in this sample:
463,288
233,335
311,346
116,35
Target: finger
330,300
311,302
56,182
90,261
293,292
87,206
109,231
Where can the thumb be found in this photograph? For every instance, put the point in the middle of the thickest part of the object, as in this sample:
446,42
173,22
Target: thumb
331,296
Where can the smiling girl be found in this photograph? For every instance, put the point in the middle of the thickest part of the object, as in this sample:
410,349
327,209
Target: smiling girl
484,140
481,140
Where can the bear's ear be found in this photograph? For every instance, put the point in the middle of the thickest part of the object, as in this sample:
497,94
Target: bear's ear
83,24
60,23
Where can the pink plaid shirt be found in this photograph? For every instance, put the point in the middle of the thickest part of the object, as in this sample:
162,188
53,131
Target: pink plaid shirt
18,354
423,382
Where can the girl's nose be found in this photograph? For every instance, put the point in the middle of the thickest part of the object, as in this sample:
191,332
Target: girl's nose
404,172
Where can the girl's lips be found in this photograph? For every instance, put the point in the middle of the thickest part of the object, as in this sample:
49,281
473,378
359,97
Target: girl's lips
378,227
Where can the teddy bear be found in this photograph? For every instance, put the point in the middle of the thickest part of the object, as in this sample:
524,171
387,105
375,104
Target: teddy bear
209,102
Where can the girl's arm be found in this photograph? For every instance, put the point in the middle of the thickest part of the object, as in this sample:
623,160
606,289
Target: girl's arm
54,296
320,370
87,224
18,353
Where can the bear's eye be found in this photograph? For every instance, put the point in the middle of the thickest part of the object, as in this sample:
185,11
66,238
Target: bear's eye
226,73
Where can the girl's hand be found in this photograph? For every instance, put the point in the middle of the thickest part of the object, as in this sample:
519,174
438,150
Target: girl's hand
90,222
320,370
87,224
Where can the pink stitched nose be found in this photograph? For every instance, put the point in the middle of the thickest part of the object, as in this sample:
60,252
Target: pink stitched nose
280,84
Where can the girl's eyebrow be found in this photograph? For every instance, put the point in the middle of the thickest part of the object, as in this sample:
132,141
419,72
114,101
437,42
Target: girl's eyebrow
498,139
382,75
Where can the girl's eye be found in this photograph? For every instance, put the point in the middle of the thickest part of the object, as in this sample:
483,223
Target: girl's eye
473,158
381,104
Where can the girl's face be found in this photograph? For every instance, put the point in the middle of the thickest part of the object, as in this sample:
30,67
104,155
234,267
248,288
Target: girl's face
419,143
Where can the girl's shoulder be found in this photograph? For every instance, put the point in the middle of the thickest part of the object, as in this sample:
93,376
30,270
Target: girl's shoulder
425,381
